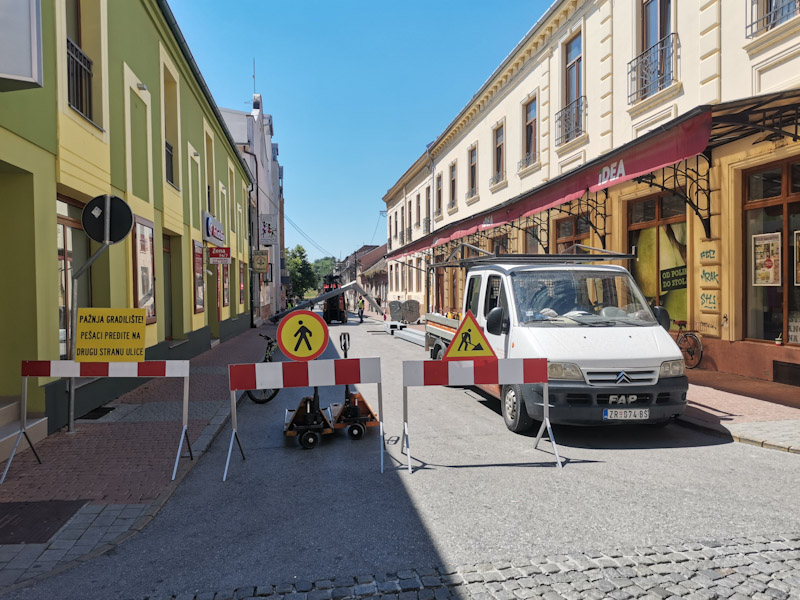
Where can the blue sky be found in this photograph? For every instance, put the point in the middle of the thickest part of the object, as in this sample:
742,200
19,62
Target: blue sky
356,90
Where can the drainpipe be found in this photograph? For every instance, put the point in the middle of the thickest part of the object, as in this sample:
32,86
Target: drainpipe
250,251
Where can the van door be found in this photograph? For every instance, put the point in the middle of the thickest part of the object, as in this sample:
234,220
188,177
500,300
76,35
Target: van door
495,295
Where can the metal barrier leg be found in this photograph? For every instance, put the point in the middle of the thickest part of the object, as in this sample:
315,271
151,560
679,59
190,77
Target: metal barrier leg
546,424
10,458
184,436
380,420
228,460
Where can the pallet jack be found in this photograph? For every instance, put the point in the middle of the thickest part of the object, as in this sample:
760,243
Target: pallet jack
355,413
308,421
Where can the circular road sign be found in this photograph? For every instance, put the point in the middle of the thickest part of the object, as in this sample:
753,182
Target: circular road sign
93,219
302,335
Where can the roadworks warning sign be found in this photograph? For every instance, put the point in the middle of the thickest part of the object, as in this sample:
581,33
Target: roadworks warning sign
110,335
469,341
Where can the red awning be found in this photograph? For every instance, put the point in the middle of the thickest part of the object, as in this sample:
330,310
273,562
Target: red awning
683,138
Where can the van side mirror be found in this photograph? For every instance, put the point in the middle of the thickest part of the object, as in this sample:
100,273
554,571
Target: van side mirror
662,316
496,321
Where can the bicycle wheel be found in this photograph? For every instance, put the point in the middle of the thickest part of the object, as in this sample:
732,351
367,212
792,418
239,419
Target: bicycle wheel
263,396
692,349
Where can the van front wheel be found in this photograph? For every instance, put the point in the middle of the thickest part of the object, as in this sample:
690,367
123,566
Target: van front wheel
514,413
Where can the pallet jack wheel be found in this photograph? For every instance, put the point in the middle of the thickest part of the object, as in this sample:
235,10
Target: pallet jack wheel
309,440
356,431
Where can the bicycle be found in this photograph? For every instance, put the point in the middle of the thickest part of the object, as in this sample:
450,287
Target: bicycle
265,395
690,344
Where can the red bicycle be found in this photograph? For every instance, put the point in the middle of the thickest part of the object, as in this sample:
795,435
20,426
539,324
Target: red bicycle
690,344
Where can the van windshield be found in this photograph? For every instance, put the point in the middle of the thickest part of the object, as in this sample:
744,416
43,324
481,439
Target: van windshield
579,298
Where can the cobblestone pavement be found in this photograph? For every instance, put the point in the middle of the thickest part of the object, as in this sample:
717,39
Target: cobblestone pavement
757,568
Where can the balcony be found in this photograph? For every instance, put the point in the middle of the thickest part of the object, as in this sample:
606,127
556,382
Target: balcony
471,193
408,234
79,79
497,178
451,204
426,225
389,244
653,70
438,212
764,16
402,237
526,161
569,121
169,169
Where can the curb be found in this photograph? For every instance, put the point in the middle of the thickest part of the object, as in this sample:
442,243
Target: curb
142,522
721,431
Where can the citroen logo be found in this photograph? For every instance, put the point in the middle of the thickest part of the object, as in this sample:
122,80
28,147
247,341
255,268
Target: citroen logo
623,377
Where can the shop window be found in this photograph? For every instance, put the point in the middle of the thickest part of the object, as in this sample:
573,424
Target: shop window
570,231
199,285
772,250
144,269
657,228
226,286
73,252
532,244
241,282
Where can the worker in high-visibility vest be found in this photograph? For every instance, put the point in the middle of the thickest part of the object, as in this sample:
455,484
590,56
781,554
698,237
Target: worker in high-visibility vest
361,308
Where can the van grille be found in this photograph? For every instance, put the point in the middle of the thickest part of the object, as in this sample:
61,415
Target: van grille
622,377
603,399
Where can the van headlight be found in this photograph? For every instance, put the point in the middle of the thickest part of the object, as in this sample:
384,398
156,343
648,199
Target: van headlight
671,368
556,370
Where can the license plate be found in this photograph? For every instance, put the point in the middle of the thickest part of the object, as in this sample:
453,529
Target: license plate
625,414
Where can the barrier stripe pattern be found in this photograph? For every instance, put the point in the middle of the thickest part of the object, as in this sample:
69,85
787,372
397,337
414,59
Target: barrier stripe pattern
472,372
71,368
343,371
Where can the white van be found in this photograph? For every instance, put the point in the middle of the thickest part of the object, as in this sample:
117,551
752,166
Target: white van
611,359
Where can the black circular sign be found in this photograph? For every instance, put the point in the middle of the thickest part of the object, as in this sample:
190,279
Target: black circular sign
93,219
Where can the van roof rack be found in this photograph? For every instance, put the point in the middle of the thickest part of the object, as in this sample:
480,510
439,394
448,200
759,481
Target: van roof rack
571,256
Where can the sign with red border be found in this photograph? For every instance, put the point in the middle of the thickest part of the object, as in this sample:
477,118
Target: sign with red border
219,256
302,335
469,341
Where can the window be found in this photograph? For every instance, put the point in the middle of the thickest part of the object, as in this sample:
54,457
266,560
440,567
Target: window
73,252
474,294
499,157
653,69
452,202
767,14
84,53
438,194
529,143
241,282
500,244
772,248
495,295
226,285
402,223
169,90
416,223
395,224
199,285
657,227
419,270
473,172
144,269
532,240
569,120
210,199
571,230
232,199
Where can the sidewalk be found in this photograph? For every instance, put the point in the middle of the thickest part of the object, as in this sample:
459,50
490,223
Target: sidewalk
101,485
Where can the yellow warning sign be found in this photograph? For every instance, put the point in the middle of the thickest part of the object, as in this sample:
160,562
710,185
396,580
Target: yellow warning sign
110,335
302,335
469,341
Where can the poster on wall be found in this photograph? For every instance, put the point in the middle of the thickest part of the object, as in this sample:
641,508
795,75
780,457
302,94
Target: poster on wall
767,259
797,258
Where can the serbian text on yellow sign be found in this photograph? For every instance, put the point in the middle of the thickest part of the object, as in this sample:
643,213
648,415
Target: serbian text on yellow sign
110,335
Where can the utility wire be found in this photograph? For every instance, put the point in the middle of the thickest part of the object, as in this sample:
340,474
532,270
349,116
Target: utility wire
376,228
306,236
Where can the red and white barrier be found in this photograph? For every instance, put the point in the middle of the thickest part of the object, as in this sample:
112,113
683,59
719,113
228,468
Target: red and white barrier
293,374
71,368
486,371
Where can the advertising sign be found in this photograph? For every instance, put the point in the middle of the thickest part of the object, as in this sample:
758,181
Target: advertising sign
110,335
219,256
673,279
268,230
212,230
260,261
767,259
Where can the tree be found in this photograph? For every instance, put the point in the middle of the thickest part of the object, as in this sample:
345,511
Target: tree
322,267
301,274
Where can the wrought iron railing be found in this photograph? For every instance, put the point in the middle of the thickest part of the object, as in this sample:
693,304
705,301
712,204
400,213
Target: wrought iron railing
497,178
408,234
526,161
653,70
79,79
438,212
168,163
471,193
426,225
389,244
569,121
451,203
766,15
402,237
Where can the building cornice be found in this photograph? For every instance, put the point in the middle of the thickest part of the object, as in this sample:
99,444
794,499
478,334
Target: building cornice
536,42
412,172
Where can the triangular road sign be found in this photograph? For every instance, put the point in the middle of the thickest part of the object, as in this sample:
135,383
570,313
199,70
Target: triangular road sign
469,341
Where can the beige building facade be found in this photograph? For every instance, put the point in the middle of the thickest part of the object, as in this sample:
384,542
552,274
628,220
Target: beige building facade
666,127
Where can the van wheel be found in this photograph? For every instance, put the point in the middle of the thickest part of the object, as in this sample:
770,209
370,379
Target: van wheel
514,413
439,353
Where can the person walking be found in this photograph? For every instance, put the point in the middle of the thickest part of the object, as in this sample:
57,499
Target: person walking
361,308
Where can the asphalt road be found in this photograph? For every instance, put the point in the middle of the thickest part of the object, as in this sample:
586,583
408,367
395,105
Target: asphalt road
479,493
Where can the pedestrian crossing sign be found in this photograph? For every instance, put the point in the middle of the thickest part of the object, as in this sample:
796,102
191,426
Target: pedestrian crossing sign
469,341
302,335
